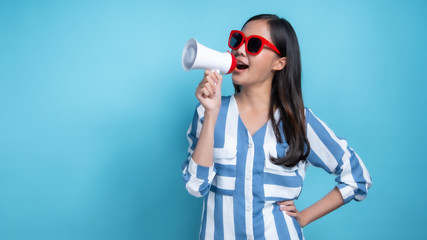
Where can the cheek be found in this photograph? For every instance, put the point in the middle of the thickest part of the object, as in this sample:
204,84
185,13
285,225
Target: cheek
262,65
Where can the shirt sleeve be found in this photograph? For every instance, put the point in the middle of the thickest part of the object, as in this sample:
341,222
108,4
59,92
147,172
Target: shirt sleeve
198,179
332,153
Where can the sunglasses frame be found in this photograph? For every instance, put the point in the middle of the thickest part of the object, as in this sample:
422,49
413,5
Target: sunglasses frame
246,40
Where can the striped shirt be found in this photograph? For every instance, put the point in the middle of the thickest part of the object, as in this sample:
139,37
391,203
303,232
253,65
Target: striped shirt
242,187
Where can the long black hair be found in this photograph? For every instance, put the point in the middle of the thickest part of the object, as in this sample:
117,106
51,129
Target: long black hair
286,94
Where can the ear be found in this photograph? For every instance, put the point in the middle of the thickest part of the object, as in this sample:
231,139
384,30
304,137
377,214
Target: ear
279,63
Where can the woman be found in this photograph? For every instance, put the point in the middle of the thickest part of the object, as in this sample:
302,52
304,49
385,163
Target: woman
249,152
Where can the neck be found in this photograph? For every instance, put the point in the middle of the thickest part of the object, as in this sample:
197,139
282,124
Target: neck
255,97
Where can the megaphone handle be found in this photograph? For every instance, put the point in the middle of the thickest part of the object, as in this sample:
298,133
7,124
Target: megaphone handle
216,70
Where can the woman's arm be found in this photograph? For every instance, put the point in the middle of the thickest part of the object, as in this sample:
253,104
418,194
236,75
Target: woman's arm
327,204
209,95
198,170
203,153
331,153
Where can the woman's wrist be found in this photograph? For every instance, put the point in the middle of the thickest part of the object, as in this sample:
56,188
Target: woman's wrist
211,115
209,122
302,219
327,204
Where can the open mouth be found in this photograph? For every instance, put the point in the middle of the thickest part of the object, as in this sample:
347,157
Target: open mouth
241,66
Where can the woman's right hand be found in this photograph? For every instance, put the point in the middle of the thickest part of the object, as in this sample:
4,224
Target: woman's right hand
209,92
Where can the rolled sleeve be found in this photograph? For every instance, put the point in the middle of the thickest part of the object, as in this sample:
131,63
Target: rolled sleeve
331,153
199,178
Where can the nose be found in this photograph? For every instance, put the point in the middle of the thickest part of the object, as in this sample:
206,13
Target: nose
241,51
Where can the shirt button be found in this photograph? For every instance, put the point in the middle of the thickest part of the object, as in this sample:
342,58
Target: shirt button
250,145
248,208
250,238
248,177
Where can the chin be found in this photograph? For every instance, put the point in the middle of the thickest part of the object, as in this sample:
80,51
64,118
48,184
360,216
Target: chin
236,80
241,79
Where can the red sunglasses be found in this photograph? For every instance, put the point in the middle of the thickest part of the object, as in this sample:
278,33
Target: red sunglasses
254,43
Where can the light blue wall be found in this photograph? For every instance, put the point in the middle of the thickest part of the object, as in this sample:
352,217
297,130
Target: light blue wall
94,106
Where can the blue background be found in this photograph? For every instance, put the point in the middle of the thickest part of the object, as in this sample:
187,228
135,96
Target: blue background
94,107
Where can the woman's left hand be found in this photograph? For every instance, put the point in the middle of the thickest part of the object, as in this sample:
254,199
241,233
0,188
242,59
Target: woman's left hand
292,211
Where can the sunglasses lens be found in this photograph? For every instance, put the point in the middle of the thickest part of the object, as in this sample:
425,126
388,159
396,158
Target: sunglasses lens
235,40
254,44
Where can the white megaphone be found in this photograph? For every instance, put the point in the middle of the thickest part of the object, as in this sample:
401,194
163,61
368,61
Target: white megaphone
197,56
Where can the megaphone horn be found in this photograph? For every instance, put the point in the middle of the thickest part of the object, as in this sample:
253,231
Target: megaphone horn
197,56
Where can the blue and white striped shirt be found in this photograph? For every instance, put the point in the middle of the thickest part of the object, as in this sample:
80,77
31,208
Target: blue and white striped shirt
242,187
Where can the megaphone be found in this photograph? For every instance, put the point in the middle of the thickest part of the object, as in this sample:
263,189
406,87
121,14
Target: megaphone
197,56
